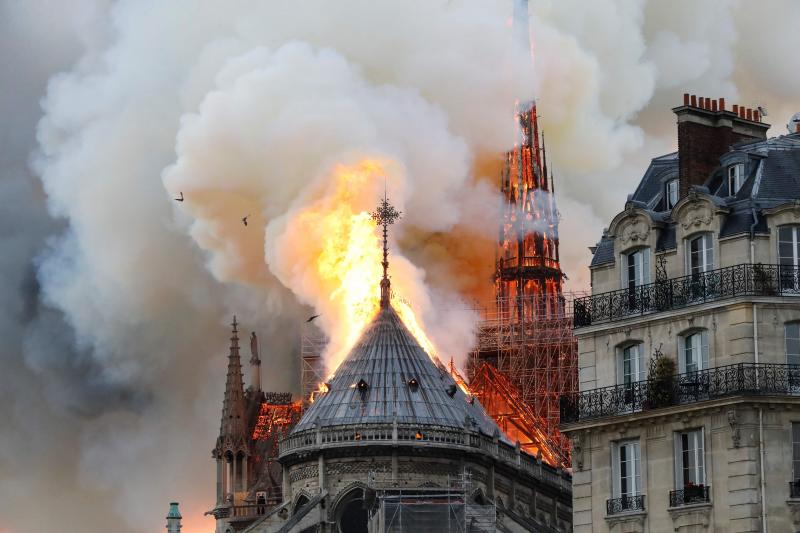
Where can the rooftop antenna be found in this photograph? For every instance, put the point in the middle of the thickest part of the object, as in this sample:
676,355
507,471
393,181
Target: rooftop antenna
385,215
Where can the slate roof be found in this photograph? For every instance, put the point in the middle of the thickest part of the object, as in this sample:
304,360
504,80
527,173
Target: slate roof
604,254
773,178
386,358
650,190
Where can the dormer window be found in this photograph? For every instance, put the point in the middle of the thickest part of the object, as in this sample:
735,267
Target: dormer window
735,178
636,268
671,193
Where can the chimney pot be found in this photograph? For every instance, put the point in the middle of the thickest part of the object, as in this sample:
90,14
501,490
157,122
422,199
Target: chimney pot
685,98
702,102
742,112
694,101
713,105
736,109
722,104
749,114
797,127
756,115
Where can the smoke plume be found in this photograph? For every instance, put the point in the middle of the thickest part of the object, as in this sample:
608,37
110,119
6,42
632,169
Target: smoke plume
116,299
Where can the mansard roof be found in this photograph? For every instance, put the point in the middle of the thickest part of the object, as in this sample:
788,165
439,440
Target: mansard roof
772,178
388,377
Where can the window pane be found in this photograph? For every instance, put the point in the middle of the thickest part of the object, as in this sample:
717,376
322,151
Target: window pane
796,450
793,343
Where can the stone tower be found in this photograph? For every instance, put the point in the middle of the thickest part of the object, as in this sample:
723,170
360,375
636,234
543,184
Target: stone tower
231,451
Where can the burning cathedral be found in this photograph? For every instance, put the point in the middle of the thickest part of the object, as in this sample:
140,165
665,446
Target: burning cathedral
394,443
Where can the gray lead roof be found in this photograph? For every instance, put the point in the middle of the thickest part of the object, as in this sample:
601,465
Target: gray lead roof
387,357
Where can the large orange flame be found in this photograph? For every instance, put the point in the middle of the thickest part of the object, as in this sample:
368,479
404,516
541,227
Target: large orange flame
348,265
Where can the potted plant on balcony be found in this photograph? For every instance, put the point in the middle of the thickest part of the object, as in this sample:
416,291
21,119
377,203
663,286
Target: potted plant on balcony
694,493
763,281
660,381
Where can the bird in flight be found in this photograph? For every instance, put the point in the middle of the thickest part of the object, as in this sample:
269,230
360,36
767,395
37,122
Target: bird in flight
244,220
312,318
179,199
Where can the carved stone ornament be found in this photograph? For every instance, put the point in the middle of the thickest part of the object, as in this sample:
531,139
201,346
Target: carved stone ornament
626,522
697,215
577,450
736,437
694,517
635,231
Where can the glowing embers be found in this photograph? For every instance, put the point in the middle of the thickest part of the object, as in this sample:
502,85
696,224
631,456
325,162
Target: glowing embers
275,420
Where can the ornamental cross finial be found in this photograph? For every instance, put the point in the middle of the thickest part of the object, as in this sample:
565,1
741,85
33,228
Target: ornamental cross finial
384,216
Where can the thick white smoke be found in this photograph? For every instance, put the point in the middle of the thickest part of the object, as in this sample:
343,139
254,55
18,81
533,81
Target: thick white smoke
114,329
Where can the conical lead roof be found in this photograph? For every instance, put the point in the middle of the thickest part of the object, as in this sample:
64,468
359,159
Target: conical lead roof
387,376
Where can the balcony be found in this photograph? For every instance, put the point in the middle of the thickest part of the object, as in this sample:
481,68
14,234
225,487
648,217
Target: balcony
760,379
689,495
625,504
677,293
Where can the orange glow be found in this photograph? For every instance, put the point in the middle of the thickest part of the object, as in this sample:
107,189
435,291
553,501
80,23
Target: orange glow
274,420
347,265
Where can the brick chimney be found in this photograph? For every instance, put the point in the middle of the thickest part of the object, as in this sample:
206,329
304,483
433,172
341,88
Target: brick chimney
706,131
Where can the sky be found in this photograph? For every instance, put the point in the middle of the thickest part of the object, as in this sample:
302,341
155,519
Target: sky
116,300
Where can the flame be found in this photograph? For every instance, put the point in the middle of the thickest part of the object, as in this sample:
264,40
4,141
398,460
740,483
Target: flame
348,264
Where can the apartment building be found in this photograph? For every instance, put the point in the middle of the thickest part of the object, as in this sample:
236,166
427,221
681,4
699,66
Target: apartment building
688,415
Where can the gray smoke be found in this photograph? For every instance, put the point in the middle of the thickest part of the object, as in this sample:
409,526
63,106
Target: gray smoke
113,318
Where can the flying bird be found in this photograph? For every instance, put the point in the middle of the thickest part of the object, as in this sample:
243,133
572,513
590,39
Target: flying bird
312,318
244,220
179,199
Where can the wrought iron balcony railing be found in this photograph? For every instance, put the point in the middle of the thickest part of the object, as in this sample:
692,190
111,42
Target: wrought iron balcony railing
625,504
729,282
765,379
794,489
689,495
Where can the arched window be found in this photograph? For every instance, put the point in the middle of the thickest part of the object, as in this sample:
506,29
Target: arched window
636,268
693,351
630,364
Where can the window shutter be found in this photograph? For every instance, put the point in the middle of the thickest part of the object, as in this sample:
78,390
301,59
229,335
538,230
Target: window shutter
624,274
642,371
637,477
682,342
704,349
615,470
645,266
701,455
620,367
709,243
678,461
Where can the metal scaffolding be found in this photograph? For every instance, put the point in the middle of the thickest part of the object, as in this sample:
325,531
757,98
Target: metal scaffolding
449,509
312,368
537,362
